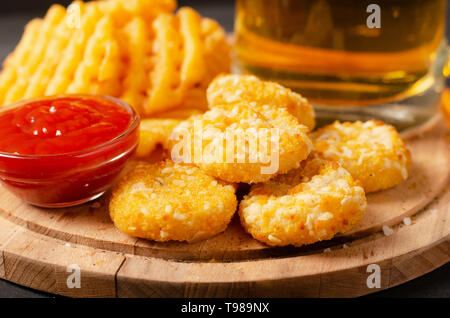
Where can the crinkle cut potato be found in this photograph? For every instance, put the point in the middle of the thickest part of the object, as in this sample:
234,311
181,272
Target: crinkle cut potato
154,132
169,201
137,50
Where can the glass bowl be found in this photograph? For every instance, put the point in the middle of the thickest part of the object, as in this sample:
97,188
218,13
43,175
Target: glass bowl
67,179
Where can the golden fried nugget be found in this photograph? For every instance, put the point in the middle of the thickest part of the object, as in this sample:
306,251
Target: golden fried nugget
240,144
309,204
371,151
229,89
168,201
154,132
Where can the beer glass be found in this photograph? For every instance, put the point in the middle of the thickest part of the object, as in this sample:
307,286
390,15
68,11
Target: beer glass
354,59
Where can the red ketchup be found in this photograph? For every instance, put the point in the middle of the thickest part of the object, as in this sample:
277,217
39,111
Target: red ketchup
65,150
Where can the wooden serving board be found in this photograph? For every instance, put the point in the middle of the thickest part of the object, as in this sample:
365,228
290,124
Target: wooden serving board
37,246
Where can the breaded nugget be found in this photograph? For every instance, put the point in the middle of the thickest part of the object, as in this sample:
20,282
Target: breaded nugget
229,89
307,205
169,201
371,151
154,132
241,144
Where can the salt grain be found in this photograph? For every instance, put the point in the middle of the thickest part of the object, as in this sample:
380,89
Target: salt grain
387,230
274,239
166,170
407,221
327,250
179,216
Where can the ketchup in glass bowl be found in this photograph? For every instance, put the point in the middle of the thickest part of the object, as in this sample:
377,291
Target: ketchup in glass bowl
65,150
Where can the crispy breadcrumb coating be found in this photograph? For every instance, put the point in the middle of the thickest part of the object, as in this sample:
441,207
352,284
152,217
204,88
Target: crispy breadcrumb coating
373,152
230,89
307,205
169,201
271,142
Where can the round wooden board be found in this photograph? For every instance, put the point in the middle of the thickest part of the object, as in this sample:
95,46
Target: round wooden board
37,246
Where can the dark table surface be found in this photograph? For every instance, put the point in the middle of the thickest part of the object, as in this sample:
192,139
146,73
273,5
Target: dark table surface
434,284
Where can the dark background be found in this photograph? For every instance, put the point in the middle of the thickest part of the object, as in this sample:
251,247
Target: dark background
13,16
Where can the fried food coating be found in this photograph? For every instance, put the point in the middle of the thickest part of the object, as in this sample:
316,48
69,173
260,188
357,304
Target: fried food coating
154,132
168,201
230,89
307,205
372,151
238,143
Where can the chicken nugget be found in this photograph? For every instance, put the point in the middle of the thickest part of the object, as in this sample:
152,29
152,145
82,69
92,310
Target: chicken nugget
307,205
242,144
229,89
168,201
373,152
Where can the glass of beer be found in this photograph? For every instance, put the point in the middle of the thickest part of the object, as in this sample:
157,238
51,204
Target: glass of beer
354,59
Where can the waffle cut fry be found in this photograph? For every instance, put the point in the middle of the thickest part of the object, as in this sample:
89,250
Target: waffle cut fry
140,51
154,132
